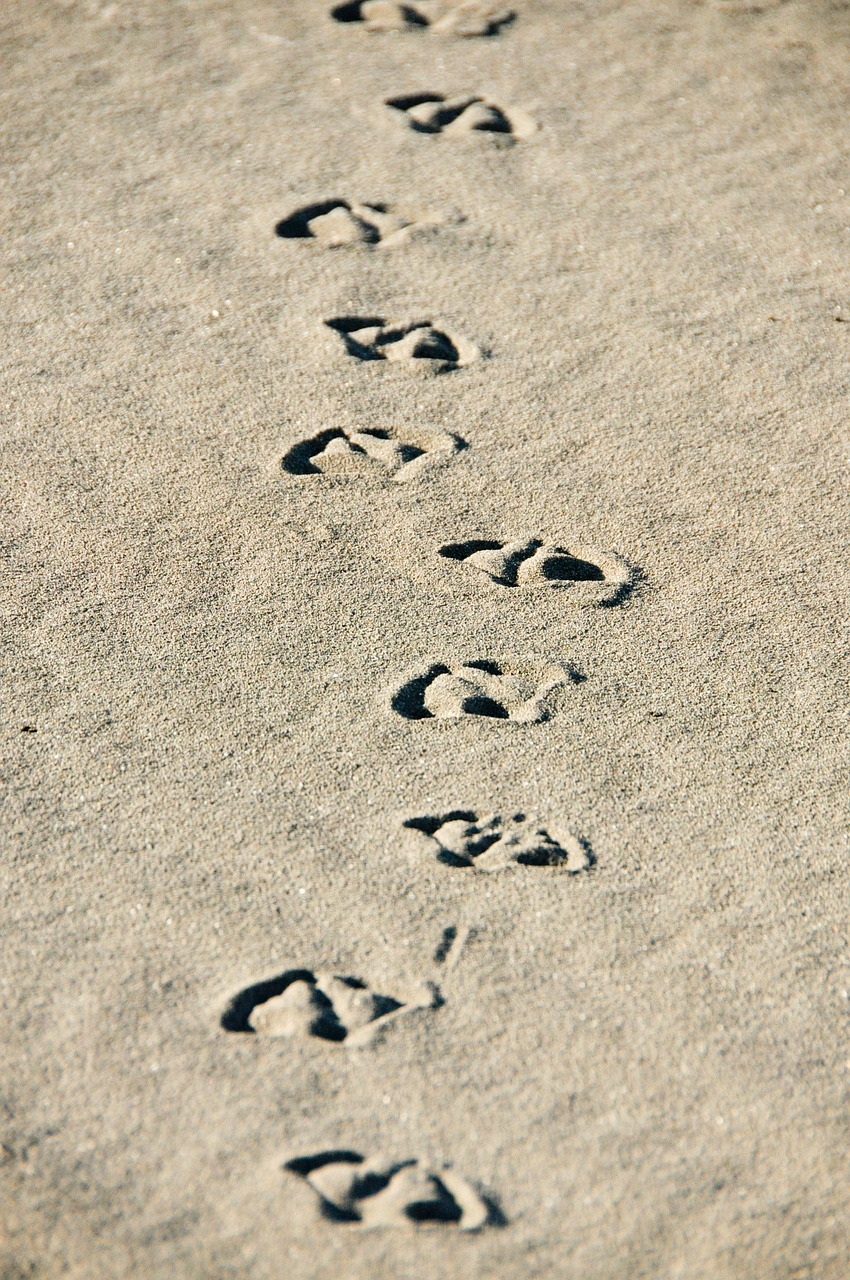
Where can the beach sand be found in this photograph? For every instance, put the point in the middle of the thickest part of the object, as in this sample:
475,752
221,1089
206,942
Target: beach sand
236,668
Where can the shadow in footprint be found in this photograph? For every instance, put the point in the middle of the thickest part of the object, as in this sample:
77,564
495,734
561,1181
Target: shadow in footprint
304,1165
297,225
237,1013
476,839
489,842
562,567
299,459
466,114
336,224
350,328
480,705
386,1193
519,691
463,550
588,576
409,700
442,17
444,946
486,664
398,455
300,1002
418,344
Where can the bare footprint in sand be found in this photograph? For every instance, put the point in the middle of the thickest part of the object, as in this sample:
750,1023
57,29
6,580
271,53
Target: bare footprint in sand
324,1006
421,345
336,224
441,17
461,116
489,842
400,454
376,1192
590,576
520,690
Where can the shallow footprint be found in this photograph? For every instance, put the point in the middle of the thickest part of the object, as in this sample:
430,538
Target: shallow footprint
489,842
376,1192
324,1006
464,114
400,454
590,575
519,691
421,345
442,17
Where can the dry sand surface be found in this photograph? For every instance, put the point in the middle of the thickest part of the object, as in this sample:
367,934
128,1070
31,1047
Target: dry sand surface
424,686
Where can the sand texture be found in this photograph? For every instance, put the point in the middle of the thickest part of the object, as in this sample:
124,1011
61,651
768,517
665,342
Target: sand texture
424,687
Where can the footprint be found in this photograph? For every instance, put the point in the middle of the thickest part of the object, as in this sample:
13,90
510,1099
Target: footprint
520,691
400,455
464,114
489,842
746,6
418,344
320,1005
442,17
376,1192
336,223
591,576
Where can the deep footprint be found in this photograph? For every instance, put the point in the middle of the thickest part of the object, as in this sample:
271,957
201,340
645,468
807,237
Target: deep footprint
516,691
398,455
463,838
323,1006
592,576
416,344
442,17
376,1192
337,224
464,114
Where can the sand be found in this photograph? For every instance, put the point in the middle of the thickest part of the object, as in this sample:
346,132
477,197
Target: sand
263,734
